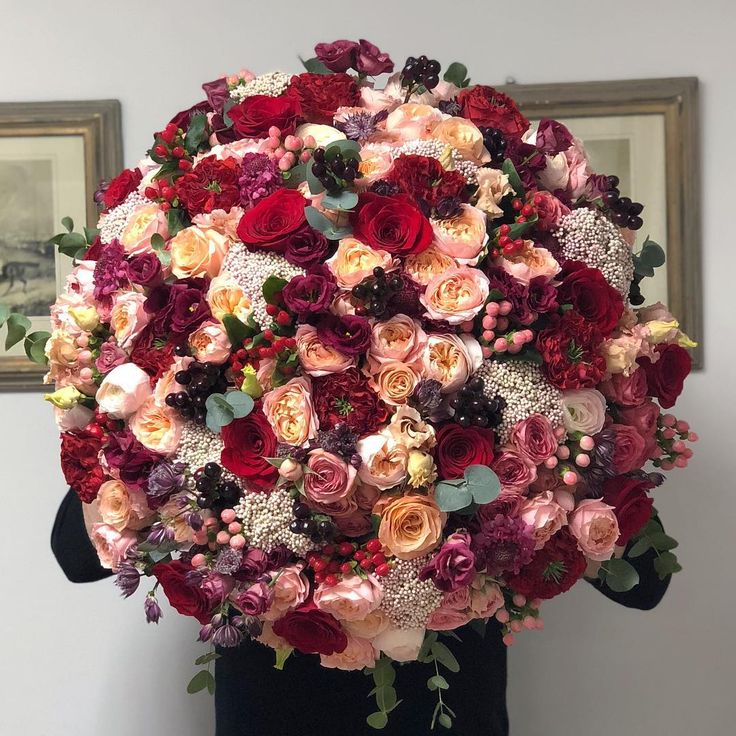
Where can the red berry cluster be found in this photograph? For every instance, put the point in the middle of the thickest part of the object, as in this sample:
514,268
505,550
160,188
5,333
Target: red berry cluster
101,424
267,346
169,150
280,316
346,558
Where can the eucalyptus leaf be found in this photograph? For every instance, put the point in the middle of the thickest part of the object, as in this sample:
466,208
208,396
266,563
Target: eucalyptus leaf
386,698
35,346
68,223
17,325
219,412
282,654
452,497
652,254
240,402
348,148
437,682
4,313
620,575
345,201
206,658
444,720
90,233
444,656
456,74
483,483
201,681
663,542
639,547
314,65
377,720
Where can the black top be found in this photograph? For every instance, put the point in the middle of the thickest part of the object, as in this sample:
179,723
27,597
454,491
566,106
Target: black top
254,699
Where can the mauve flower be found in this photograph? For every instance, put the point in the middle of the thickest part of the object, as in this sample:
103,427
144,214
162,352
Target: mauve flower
310,294
111,271
144,269
503,544
179,307
370,60
453,566
541,295
128,579
217,93
152,610
227,636
306,247
111,356
534,438
255,600
253,564
552,137
351,335
130,458
515,472
338,56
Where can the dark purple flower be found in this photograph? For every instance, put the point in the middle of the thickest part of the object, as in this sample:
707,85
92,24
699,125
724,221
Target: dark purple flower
427,396
348,334
453,566
128,579
338,56
217,93
360,126
502,544
370,60
130,458
160,535
260,177
512,291
310,294
110,272
180,307
227,635
152,610
165,478
253,564
255,600
306,247
541,295
111,356
552,137
278,557
145,270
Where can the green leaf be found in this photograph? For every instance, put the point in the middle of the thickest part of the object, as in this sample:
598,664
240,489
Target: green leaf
35,346
345,201
652,254
444,656
386,698
4,313
452,497
457,74
219,412
18,325
509,169
319,222
68,223
240,402
348,148
157,241
444,720
377,720
639,547
176,220
272,286
314,65
666,564
237,330
295,176
663,542
203,679
483,483
90,233
196,133
207,658
383,673
437,682
620,575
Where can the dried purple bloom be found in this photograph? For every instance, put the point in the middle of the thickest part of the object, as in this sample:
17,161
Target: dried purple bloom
448,207
128,579
152,609
227,636
502,544
339,441
194,520
99,195
427,396
260,177
111,272
450,107
228,561
159,535
360,126
165,478
385,188
205,633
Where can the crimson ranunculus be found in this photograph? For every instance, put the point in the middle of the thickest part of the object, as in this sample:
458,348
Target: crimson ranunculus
211,185
270,224
320,95
555,568
248,442
120,187
489,108
591,295
666,377
347,398
310,294
458,447
185,598
255,115
631,504
311,631
393,224
80,465
425,179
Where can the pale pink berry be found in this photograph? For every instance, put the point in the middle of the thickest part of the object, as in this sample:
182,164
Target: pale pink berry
274,132
516,626
292,143
682,426
563,452
570,478
587,443
582,460
508,639
500,345
504,307
222,537
227,515
489,322
519,600
487,352
551,462
502,616
83,340
488,335
237,542
309,141
681,462
678,446
668,420
667,465
86,374
492,309
198,560
693,436
502,324
234,527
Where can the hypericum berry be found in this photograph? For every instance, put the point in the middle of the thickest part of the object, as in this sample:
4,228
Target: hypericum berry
374,545
346,548
346,568
330,580
160,150
383,570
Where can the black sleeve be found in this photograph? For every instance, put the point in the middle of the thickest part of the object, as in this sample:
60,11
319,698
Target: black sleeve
71,546
650,590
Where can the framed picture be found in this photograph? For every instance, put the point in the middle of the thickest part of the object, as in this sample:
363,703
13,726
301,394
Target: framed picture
52,157
646,132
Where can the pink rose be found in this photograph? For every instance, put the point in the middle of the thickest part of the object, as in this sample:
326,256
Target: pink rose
111,544
351,599
145,222
399,338
210,343
630,448
330,478
411,121
594,525
111,356
316,358
288,409
549,210
583,410
456,295
290,590
123,390
217,587
534,438
451,360
578,168
485,600
514,471
452,612
529,263
358,654
544,514
462,237
626,390
657,312
128,317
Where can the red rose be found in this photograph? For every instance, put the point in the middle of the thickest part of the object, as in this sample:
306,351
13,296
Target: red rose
248,442
186,599
80,465
425,179
272,221
346,398
554,569
393,224
210,185
630,450
489,108
631,504
255,115
311,631
665,378
320,95
120,187
591,295
458,447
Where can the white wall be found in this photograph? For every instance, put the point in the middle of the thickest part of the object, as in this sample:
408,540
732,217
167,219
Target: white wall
76,660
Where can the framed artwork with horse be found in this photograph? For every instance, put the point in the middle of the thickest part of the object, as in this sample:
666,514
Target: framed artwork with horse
52,157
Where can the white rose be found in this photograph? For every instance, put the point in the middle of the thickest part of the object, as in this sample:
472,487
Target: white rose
124,389
402,645
322,134
583,410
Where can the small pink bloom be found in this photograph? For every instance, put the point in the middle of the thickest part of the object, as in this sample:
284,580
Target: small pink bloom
594,525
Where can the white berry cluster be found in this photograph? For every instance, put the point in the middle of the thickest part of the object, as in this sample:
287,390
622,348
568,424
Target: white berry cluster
113,223
198,446
408,601
439,150
272,84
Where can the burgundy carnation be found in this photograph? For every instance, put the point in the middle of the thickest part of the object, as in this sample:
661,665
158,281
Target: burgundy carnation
80,465
591,295
489,108
320,95
393,224
425,179
666,377
120,187
248,442
349,334
211,185
346,398
311,631
631,504
541,295
554,569
458,447
183,597
148,354
255,115
310,294
271,223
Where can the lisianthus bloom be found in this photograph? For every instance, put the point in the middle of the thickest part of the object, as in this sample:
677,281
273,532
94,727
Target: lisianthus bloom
583,410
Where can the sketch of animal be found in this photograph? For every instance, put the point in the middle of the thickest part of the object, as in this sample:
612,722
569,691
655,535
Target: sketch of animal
13,271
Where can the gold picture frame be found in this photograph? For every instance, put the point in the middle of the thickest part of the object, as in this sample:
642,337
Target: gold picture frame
664,114
53,156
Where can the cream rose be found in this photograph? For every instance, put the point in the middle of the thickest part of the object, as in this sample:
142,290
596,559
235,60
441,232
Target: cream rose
353,261
358,654
370,626
423,267
411,526
493,186
583,410
123,390
530,263
157,426
145,222
397,338
210,343
402,645
316,358
225,296
451,360
394,382
121,507
128,317
288,408
456,295
462,237
384,461
197,252
322,134
290,590
464,136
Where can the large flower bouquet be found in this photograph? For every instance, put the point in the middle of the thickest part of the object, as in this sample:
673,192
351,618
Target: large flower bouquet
346,367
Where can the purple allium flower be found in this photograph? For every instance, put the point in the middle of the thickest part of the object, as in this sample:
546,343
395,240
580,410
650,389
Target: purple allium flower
502,544
360,126
227,635
111,271
152,609
260,177
165,479
128,579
